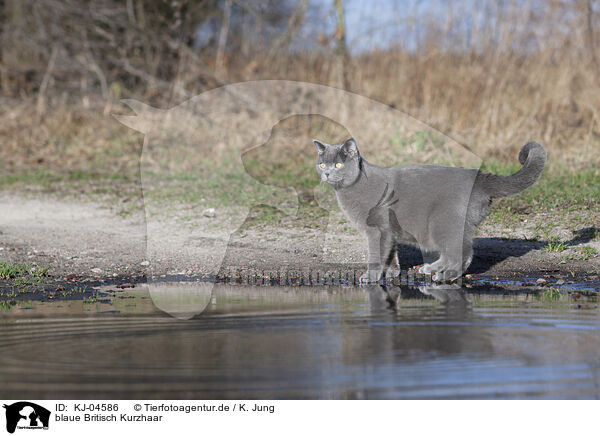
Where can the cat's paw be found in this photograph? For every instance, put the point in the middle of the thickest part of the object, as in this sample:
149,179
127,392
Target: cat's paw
445,276
371,276
425,269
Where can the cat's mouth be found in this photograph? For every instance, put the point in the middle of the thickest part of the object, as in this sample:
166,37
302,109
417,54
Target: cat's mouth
335,183
332,180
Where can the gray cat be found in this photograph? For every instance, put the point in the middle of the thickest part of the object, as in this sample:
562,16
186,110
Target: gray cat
435,208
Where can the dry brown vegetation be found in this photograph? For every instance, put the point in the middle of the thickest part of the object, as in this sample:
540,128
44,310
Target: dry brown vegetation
521,72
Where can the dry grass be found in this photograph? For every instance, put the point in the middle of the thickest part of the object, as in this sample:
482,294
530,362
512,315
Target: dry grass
65,137
521,73
492,110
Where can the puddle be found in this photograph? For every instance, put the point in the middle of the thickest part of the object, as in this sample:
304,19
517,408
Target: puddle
302,342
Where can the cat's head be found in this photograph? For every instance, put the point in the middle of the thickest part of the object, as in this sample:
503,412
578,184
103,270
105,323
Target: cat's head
338,164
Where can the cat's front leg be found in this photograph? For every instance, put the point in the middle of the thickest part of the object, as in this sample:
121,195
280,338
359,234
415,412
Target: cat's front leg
375,265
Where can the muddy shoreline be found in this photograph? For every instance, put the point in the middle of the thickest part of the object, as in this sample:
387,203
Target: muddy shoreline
85,244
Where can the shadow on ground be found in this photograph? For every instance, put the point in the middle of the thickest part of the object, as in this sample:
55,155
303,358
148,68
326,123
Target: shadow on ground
489,252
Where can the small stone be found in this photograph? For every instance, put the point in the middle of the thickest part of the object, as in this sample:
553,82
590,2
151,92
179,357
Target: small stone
541,281
560,282
145,263
210,212
71,276
97,270
125,285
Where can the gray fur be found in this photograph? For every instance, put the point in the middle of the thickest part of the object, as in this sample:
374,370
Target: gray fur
435,208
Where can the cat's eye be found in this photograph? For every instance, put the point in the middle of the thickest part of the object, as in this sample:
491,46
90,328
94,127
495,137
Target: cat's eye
322,165
339,165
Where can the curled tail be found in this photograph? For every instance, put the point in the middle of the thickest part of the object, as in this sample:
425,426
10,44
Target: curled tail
533,157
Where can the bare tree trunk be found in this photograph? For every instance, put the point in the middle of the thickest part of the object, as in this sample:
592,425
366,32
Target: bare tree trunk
340,73
590,33
11,14
41,98
294,24
220,60
3,73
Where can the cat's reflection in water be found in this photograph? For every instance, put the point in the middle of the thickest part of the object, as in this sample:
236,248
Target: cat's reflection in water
451,296
434,325
382,297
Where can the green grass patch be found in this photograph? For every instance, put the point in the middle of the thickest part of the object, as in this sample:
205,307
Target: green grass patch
551,294
48,178
115,189
40,272
554,245
587,252
204,188
12,270
558,188
22,273
224,185
267,176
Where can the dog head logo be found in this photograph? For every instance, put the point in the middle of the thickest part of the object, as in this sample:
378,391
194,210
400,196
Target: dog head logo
26,415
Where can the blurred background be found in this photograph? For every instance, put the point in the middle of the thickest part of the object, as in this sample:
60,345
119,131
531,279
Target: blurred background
491,74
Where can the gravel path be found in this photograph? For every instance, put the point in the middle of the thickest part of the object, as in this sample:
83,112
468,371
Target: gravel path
88,239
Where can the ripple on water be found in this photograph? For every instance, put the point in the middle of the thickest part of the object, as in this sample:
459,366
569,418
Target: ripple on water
327,342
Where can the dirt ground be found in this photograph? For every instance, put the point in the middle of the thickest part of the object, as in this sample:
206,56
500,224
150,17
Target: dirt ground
91,241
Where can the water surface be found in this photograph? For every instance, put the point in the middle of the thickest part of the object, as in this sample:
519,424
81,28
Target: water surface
298,342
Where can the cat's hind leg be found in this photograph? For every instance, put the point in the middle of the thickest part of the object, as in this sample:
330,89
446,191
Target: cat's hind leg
449,243
428,268
450,269
467,252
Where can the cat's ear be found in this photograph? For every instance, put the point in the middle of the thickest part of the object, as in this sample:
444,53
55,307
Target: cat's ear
350,148
320,146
